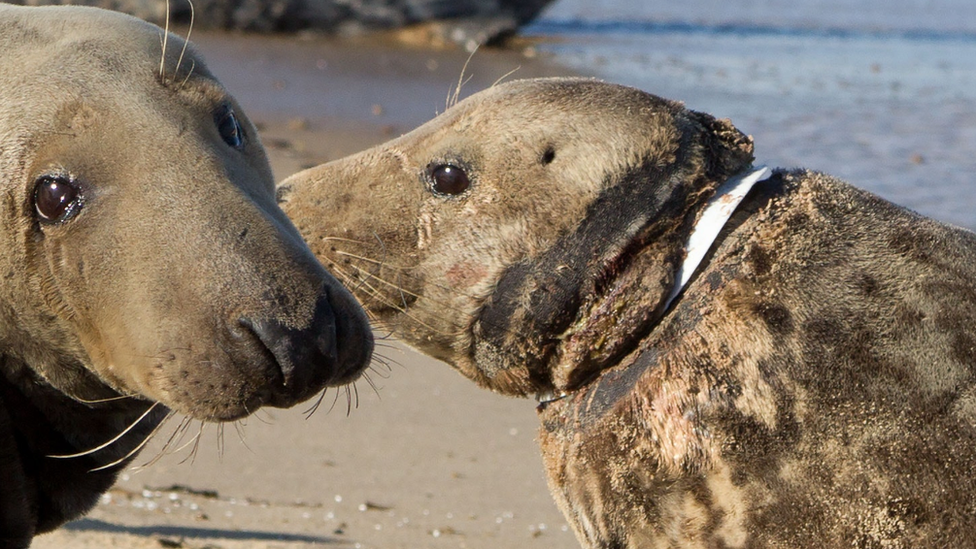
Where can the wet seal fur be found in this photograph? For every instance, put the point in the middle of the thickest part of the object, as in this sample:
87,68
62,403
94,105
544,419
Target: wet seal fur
146,267
813,385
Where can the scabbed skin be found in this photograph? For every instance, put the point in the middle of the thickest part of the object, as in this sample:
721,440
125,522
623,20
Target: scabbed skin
811,387
175,284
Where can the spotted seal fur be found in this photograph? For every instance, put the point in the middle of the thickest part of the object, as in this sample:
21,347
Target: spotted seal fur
812,386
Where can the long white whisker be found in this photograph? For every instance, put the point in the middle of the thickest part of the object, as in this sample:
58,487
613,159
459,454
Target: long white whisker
461,81
162,60
374,294
103,400
180,430
192,440
220,442
401,271
132,452
504,76
340,239
186,42
240,434
388,283
196,445
189,73
113,440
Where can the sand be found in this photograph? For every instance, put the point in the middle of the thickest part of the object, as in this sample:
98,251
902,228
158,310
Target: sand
426,459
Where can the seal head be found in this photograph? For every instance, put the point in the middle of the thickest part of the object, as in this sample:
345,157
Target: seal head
492,239
145,263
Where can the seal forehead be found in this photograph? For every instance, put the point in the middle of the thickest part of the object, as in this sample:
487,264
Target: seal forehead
81,48
611,127
32,29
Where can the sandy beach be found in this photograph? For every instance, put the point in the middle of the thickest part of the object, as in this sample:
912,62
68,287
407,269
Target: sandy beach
426,459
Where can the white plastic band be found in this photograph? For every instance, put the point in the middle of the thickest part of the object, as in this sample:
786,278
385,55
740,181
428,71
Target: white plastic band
716,214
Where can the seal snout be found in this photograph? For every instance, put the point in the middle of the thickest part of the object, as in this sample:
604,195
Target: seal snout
328,350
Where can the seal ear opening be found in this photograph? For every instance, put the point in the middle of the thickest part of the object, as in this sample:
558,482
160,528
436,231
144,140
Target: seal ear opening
728,150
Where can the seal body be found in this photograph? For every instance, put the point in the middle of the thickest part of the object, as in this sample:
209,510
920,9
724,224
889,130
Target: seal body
812,386
146,268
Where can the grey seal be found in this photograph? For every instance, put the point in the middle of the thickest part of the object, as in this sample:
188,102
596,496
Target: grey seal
812,385
146,267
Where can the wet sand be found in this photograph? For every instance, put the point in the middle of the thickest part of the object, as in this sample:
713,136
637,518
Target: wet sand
425,460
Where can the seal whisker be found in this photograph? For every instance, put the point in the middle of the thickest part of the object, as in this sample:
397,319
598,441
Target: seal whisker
180,430
384,361
109,442
504,76
348,400
220,441
189,73
196,446
103,400
402,271
340,239
189,442
375,295
239,428
361,282
257,415
132,452
335,401
397,287
186,42
354,283
162,58
312,409
365,376
452,99
383,374
384,337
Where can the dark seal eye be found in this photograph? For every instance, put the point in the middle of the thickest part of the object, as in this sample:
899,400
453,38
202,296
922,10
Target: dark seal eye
448,179
229,127
56,199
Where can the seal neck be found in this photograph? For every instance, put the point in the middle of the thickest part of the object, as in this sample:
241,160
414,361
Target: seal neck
714,216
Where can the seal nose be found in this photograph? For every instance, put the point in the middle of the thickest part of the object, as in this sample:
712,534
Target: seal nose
307,357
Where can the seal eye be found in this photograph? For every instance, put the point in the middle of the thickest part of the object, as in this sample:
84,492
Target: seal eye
56,199
448,179
230,129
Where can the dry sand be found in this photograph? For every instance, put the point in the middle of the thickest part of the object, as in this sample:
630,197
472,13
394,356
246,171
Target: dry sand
425,460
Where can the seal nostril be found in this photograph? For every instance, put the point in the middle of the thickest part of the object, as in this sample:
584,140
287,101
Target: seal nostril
275,345
306,356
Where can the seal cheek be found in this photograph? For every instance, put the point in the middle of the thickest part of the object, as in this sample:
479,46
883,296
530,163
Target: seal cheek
465,274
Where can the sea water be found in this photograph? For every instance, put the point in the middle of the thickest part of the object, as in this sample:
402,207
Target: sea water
881,93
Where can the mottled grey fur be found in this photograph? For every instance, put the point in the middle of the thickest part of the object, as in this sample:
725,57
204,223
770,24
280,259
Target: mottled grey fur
812,387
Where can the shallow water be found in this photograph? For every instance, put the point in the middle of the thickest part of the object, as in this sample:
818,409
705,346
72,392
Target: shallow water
880,93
